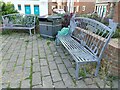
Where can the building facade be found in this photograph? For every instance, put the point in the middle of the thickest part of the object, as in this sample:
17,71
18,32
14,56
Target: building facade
103,8
78,6
81,7
57,4
37,7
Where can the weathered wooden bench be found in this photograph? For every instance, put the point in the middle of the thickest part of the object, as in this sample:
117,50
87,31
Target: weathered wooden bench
86,41
19,21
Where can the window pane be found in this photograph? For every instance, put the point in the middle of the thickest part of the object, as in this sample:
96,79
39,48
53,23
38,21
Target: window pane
19,7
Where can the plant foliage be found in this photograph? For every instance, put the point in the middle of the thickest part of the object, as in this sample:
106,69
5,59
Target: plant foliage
7,8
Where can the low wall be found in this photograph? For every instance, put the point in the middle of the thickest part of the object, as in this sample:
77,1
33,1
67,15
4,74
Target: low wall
112,53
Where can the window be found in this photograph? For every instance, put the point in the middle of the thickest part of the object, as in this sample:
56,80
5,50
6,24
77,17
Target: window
27,9
83,8
36,10
19,7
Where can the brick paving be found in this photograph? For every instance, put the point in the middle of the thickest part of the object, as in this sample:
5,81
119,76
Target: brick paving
35,62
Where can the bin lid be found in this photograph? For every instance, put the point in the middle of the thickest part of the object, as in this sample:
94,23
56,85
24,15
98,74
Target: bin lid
49,18
53,18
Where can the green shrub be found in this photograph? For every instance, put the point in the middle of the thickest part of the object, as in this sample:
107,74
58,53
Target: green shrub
116,34
7,8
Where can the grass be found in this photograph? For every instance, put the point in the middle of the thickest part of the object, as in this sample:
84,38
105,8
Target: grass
82,73
31,72
48,43
7,32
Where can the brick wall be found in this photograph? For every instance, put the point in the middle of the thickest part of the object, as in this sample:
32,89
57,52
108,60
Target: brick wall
117,13
50,4
89,7
112,53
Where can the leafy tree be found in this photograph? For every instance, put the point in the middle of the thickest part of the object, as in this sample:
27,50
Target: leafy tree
7,8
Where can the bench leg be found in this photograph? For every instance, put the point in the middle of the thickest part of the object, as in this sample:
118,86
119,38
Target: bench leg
57,41
77,71
97,69
30,31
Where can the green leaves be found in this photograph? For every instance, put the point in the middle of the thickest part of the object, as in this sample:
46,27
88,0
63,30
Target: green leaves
7,8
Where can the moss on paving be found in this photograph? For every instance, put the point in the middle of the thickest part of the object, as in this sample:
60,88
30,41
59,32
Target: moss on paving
31,72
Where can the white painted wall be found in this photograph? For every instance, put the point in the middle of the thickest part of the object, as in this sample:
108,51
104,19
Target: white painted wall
43,5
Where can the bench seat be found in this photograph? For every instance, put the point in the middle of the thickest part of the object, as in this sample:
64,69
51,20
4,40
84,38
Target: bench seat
78,52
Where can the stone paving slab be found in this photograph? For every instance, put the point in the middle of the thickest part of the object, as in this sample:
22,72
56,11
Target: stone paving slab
35,62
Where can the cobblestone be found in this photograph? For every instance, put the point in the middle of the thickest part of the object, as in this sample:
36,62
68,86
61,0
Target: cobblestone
36,78
58,60
51,65
9,67
81,84
92,86
59,84
37,86
18,70
27,63
62,68
43,62
26,73
36,59
67,80
25,84
50,58
89,81
47,82
4,63
15,84
36,67
20,61
45,71
5,78
67,63
5,85
55,75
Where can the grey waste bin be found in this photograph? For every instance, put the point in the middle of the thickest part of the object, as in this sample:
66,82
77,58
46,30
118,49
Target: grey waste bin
49,26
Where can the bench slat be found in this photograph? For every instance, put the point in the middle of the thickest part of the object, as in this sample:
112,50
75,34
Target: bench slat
76,50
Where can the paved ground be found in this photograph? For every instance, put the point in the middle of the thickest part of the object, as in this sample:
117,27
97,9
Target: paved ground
35,62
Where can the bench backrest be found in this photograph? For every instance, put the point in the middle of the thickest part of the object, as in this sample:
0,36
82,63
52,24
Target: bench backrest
92,34
18,19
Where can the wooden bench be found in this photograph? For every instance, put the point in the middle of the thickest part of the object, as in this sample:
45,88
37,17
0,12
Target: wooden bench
19,21
86,41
